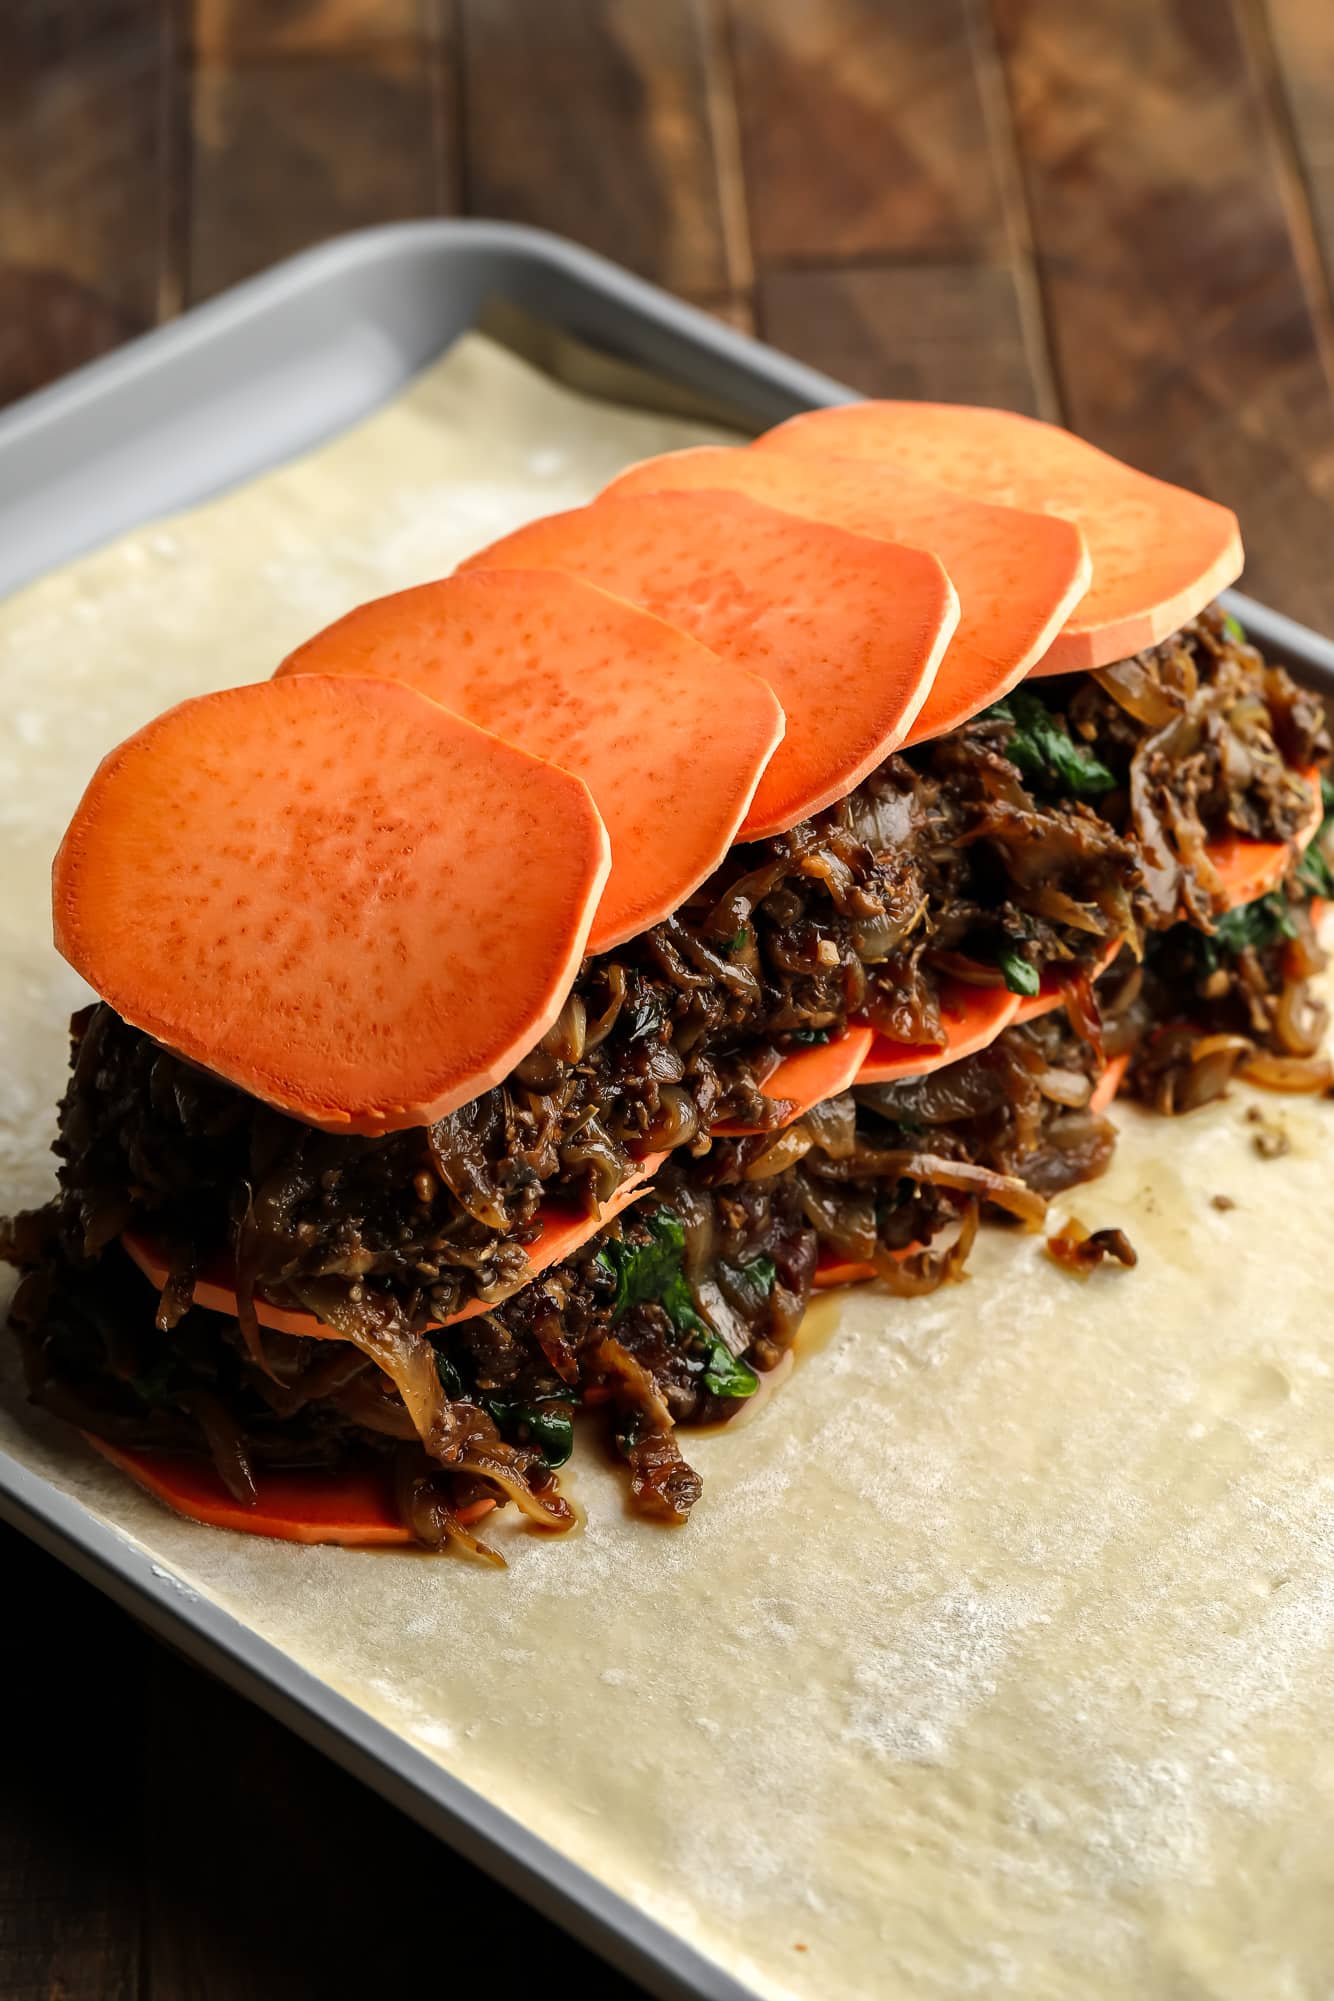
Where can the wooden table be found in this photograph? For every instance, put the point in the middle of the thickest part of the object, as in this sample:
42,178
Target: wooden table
1115,212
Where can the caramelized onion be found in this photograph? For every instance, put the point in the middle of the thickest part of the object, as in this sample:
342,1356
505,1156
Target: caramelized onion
375,1325
501,1466
832,1125
1300,1020
1134,687
1007,1191
791,1145
926,1271
698,1219
424,1510
1064,1087
226,1446
567,1037
677,1122
1287,1073
844,1223
599,1030
968,972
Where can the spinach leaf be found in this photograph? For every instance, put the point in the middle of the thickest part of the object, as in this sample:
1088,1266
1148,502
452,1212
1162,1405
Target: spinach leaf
1314,872
1258,924
652,1273
1021,976
724,1375
551,1431
451,1382
1046,753
810,1038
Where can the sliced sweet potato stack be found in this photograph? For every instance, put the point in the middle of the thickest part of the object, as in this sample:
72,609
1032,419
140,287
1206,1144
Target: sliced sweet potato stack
809,1076
1019,574
560,1234
335,894
600,687
353,1509
1159,553
972,1017
847,630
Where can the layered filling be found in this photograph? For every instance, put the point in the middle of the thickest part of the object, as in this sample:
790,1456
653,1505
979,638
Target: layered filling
1024,844
1079,812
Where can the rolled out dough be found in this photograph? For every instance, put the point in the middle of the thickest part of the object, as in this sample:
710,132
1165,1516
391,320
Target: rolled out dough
997,1658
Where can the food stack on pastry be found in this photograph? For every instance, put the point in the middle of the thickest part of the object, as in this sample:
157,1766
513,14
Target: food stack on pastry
755,880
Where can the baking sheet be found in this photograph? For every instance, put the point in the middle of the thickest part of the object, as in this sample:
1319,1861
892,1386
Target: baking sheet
994,1658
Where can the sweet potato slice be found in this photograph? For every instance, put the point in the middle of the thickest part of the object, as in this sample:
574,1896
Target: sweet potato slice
840,1271
600,687
1159,553
848,631
354,1509
1019,574
809,1076
972,1018
832,1270
355,906
1248,869
561,1233
1109,1083
1051,991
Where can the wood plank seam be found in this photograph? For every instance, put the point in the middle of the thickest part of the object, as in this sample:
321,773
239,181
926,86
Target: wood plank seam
1017,220
1295,191
729,162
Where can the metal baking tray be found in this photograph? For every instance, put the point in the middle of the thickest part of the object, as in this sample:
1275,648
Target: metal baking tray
231,389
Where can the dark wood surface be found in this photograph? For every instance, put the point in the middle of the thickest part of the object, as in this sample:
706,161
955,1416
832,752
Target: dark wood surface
1119,213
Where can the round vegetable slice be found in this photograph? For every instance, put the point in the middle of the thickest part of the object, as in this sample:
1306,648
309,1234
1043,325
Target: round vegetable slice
354,1508
600,687
1248,869
355,906
1159,553
1109,1083
561,1232
833,1270
809,1076
1019,574
1051,989
848,631
972,1017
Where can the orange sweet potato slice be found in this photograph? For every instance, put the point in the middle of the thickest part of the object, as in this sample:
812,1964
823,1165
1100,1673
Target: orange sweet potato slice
1019,574
1248,869
1051,990
1159,553
355,906
848,631
832,1270
1109,1083
601,688
561,1233
809,1076
354,1509
972,1017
